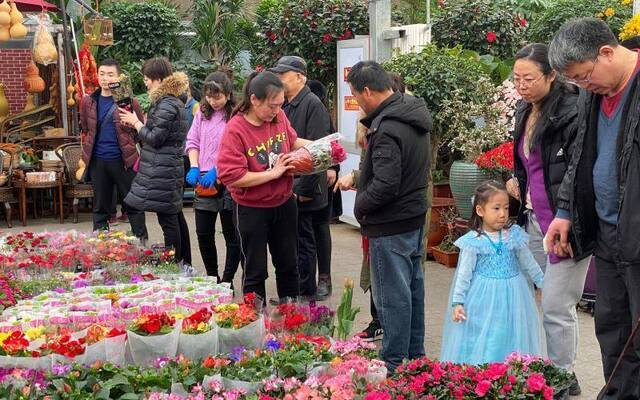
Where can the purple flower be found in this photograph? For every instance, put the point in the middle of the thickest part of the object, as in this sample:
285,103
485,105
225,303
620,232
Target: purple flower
161,362
272,345
60,290
136,278
59,369
80,284
236,353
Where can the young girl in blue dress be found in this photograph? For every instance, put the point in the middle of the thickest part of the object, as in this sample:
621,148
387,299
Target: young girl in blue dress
493,309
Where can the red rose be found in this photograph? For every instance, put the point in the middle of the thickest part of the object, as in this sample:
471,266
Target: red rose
327,37
523,22
306,13
491,36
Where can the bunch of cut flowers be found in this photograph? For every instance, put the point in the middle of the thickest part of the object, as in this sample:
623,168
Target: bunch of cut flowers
318,156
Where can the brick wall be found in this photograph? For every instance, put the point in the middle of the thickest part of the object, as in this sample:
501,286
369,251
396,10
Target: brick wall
13,63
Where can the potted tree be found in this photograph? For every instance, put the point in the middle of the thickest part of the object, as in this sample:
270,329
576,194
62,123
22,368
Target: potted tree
446,253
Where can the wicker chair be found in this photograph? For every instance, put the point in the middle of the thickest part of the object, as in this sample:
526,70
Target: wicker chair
7,193
74,190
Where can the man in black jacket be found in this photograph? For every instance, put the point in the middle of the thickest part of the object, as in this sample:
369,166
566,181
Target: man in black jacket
390,206
598,199
310,118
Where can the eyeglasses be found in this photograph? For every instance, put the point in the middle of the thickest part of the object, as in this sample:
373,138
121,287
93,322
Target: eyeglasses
587,80
526,82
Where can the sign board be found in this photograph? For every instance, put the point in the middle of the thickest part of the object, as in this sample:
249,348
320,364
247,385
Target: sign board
350,52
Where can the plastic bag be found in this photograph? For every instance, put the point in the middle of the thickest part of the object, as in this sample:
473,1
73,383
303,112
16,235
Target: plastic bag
144,350
250,337
44,48
244,386
42,363
115,349
197,347
318,156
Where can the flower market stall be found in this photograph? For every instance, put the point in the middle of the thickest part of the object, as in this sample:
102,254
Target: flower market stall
99,316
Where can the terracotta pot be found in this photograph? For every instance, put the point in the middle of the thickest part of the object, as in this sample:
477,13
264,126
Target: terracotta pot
446,258
437,231
442,189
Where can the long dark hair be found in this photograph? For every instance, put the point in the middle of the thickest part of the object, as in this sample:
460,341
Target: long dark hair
481,196
538,54
261,84
214,84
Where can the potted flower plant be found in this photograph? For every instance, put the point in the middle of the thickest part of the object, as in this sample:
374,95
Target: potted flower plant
153,336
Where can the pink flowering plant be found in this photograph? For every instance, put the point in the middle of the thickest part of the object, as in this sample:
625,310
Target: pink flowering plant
506,101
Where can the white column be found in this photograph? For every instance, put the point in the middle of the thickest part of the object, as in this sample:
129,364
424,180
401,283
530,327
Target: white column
636,7
379,21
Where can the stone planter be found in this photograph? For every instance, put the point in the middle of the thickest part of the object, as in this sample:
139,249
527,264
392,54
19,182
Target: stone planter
464,177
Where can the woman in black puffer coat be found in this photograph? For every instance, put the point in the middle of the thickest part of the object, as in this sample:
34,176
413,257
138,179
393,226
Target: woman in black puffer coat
158,185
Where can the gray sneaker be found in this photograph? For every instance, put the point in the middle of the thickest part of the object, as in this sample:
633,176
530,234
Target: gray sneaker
324,288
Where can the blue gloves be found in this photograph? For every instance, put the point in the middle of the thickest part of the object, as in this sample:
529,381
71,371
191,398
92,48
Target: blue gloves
209,179
193,175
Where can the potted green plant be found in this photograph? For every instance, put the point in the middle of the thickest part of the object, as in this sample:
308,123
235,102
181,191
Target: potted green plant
478,126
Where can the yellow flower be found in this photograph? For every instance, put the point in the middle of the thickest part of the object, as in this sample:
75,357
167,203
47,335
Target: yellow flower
3,337
178,316
609,12
627,2
631,28
35,333
203,327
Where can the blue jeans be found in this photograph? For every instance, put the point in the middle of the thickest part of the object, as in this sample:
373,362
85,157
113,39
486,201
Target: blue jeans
397,284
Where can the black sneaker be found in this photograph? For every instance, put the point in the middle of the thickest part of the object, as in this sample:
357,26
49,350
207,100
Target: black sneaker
574,389
372,333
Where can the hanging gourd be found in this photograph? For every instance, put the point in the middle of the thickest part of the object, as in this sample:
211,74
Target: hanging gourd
4,33
18,31
16,16
5,7
70,101
4,103
5,18
33,83
44,49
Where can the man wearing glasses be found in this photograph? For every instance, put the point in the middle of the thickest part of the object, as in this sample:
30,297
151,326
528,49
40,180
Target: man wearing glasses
598,199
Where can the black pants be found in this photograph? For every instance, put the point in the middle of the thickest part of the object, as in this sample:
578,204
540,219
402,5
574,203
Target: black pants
176,234
322,234
616,312
205,230
104,175
372,308
276,228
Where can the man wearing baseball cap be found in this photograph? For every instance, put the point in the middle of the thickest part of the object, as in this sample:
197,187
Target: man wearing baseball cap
311,120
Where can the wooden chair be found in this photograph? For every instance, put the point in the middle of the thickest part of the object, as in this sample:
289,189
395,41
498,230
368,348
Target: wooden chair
20,180
7,192
74,190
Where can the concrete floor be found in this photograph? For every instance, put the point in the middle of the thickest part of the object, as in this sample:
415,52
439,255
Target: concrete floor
346,264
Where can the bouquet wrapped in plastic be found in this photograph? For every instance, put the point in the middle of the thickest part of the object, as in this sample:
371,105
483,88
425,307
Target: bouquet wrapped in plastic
318,156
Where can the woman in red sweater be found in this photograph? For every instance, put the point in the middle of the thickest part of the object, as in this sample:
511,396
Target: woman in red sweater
253,163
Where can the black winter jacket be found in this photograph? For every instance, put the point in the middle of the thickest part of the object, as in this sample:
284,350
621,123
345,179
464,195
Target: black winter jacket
555,131
394,174
311,120
158,185
576,193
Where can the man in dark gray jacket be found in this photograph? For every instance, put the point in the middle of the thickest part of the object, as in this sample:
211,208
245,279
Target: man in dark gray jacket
598,199
390,206
311,120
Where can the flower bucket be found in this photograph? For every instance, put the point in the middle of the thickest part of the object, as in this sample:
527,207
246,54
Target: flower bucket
464,177
250,337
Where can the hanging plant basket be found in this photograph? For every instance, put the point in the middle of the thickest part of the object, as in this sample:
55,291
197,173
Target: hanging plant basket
98,31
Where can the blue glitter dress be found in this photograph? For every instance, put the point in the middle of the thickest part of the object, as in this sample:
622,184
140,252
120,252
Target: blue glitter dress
498,299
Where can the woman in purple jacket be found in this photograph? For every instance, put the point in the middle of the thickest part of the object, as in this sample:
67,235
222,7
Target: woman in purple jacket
202,147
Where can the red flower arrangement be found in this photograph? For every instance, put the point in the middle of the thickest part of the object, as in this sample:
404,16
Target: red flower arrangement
236,316
153,324
65,346
198,322
97,333
15,345
499,159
